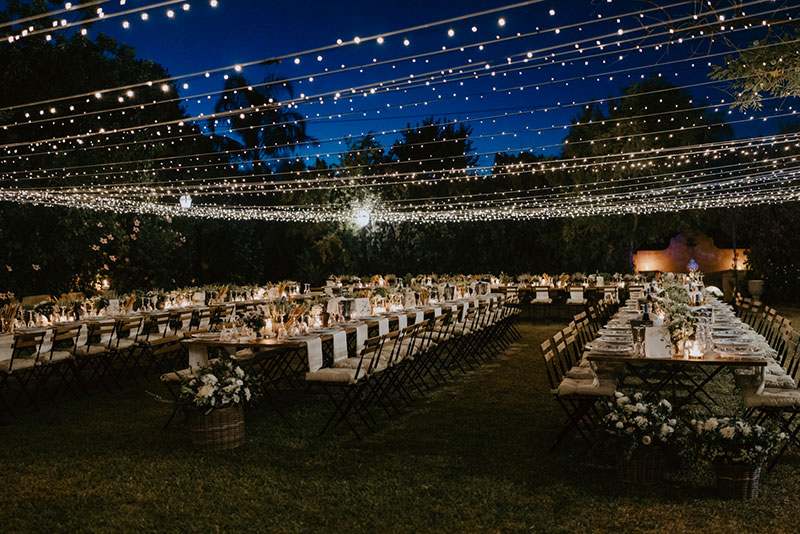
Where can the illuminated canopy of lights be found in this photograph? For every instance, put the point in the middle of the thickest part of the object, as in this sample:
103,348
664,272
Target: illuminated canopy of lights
479,75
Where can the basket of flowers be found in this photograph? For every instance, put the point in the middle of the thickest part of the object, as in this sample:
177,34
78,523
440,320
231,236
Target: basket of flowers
641,431
213,399
737,448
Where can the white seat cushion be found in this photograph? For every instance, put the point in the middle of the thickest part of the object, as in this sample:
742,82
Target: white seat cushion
581,373
773,398
350,363
604,387
90,350
333,375
176,376
20,364
59,356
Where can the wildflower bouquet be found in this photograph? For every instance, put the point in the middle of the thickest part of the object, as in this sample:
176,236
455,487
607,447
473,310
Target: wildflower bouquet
732,441
636,424
220,384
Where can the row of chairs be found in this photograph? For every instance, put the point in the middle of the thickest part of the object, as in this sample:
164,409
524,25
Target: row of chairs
390,367
54,360
577,387
779,398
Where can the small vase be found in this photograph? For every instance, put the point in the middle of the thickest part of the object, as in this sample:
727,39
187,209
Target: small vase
737,481
325,317
643,468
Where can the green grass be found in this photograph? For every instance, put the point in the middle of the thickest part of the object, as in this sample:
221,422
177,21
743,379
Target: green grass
471,457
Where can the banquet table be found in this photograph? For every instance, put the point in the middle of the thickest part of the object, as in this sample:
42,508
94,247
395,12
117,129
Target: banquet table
660,371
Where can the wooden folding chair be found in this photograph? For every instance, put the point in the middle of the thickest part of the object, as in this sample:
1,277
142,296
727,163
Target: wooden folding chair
21,368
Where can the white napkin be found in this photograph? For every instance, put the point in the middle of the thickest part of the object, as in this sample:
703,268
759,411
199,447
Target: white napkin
339,345
657,342
402,320
383,326
314,347
420,316
437,311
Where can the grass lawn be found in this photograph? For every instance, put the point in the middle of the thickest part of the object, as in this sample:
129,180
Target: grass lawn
471,457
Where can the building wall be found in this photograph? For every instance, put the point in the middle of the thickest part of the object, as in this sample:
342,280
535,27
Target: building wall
677,256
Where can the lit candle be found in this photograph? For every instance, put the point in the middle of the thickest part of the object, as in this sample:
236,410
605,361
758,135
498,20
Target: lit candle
268,327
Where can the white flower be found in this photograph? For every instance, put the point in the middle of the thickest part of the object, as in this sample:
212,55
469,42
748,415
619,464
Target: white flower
210,379
665,403
641,421
641,407
240,372
646,440
728,432
619,424
711,423
666,430
205,391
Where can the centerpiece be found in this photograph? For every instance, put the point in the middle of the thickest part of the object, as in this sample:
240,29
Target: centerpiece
678,315
737,448
255,321
213,399
641,431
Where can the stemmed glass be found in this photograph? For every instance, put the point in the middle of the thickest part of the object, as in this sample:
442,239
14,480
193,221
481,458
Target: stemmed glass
638,331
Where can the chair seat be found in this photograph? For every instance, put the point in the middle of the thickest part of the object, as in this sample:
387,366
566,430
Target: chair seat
349,363
90,350
775,369
332,375
20,364
244,354
177,376
604,387
576,301
581,373
773,398
58,356
125,343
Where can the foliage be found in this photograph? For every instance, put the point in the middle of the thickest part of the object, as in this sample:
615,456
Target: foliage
635,424
732,440
773,70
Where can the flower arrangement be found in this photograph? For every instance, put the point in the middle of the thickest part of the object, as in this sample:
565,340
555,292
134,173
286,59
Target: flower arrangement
254,320
220,384
680,320
638,425
732,441
45,308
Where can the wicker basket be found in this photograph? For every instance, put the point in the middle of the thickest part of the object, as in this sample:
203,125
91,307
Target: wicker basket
218,430
737,481
643,468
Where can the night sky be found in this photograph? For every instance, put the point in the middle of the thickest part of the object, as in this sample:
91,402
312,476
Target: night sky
240,31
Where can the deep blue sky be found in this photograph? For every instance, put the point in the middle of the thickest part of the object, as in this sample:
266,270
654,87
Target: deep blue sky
238,31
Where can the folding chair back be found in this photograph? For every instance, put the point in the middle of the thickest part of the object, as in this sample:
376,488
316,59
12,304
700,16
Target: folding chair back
127,329
65,338
27,346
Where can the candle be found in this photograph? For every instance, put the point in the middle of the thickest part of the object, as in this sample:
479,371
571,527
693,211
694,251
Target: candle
268,327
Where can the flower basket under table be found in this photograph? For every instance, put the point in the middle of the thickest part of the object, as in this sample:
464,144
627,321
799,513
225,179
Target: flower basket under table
642,468
737,481
217,430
